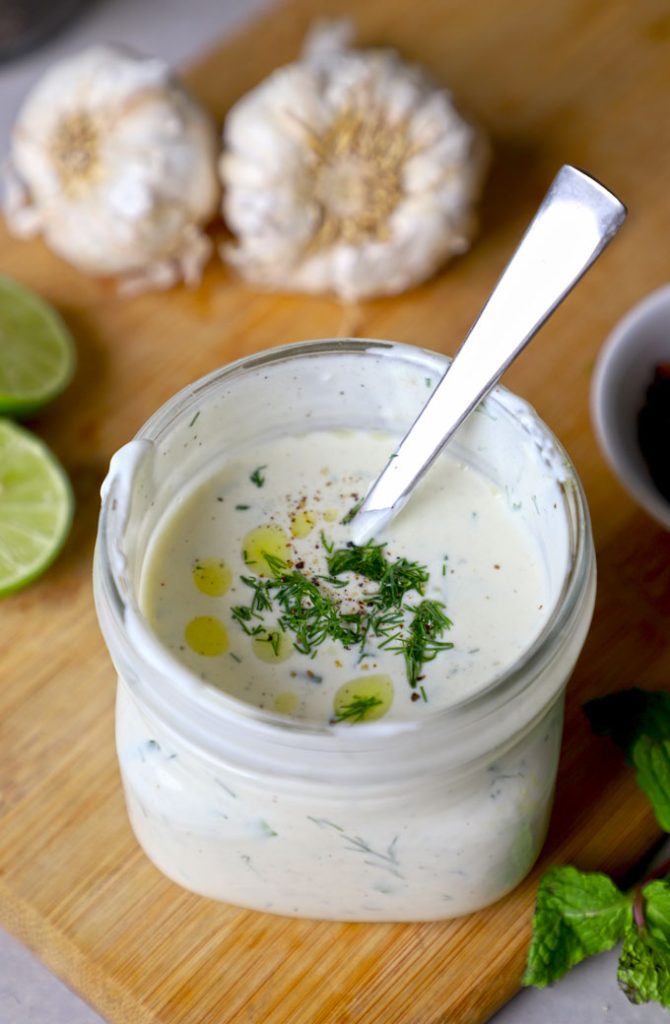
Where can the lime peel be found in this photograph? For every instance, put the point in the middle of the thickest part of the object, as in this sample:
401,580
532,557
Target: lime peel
38,354
36,507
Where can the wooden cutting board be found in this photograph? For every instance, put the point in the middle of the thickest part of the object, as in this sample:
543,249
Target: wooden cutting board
569,80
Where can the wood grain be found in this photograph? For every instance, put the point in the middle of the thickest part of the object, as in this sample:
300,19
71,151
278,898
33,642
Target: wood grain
584,81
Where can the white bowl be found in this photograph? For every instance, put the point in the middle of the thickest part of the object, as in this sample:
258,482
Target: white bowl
624,371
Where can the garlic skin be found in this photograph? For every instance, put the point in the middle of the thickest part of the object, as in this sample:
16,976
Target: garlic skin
114,164
348,172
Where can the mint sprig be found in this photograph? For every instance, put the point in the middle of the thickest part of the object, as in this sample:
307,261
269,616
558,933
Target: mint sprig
579,914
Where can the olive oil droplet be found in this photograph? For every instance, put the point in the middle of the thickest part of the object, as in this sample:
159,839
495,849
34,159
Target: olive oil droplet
265,540
206,636
212,577
286,702
272,647
363,699
303,523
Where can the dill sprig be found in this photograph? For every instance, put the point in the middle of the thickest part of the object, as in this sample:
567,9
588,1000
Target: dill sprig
366,559
357,708
352,513
276,565
272,637
306,609
257,476
422,641
312,615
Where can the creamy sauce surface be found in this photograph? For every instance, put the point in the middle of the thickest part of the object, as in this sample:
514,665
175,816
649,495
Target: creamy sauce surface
287,498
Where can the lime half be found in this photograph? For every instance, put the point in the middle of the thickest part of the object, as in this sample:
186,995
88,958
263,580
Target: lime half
36,351
36,507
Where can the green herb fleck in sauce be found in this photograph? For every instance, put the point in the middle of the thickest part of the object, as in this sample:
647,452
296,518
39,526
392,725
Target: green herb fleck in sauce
257,477
353,511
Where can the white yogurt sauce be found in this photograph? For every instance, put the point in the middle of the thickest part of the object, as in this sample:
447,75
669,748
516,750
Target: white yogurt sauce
288,497
425,851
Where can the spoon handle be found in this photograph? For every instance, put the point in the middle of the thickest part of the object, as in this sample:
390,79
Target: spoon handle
574,223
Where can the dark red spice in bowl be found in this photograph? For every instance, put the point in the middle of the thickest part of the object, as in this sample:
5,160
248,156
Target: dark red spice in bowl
653,429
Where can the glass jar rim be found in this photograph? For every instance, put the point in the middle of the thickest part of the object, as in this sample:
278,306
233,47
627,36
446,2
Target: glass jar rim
509,684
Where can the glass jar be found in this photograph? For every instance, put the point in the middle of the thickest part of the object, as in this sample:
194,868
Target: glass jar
400,821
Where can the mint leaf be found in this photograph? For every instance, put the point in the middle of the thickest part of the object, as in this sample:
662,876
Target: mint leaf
644,969
639,722
657,909
652,760
644,965
577,914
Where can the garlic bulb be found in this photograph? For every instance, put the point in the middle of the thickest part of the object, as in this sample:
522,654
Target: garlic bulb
348,172
115,165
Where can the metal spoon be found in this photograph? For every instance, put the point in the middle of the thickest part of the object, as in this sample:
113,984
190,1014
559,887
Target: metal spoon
576,220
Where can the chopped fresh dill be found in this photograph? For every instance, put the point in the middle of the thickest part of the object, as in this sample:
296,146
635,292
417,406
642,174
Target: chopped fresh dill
353,511
242,508
311,611
273,637
327,545
244,617
357,709
257,476
324,823
235,657
395,578
261,601
312,616
277,566
422,641
366,559
194,418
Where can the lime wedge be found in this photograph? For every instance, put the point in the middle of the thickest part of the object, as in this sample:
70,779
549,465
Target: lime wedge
36,507
37,354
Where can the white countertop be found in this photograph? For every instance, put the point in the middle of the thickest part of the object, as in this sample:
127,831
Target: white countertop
29,993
